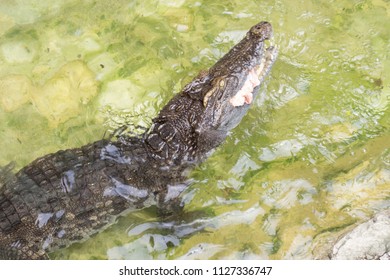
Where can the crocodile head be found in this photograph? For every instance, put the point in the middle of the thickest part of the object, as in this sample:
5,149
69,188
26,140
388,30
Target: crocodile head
198,119
235,79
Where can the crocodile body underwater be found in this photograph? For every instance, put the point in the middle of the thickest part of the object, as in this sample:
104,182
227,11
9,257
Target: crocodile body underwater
67,196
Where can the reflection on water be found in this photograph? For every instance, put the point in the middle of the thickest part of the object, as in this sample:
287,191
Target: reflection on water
310,159
157,244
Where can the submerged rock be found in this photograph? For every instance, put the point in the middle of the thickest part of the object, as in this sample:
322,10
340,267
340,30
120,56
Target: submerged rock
63,96
15,91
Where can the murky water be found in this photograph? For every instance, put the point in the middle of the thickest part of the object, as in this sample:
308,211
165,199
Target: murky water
311,158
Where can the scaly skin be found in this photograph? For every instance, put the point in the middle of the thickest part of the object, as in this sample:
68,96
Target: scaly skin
67,196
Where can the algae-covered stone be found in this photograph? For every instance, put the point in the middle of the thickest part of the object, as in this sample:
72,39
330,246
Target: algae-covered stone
150,77
120,94
103,65
62,97
27,12
14,91
18,52
170,3
90,45
6,23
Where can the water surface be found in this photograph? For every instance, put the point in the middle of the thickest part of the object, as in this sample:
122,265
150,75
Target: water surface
310,159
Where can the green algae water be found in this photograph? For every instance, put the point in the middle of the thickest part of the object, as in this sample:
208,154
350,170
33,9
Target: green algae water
310,160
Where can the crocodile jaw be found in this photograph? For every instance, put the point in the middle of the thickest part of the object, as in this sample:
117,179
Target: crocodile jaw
255,76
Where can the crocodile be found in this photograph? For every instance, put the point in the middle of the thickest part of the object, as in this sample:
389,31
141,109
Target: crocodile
67,196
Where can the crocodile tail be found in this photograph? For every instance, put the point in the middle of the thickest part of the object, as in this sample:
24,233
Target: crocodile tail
15,253
7,253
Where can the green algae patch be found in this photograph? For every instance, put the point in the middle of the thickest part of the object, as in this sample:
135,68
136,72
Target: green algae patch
6,23
15,91
62,96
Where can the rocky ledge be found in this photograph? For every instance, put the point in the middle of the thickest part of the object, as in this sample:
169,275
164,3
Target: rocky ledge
369,240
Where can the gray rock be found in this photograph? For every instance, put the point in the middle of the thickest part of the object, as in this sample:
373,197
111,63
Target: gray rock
369,240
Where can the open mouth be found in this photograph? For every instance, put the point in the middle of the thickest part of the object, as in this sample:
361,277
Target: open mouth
254,78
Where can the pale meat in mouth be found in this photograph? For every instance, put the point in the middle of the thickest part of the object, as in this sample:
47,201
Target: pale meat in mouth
255,76
245,94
